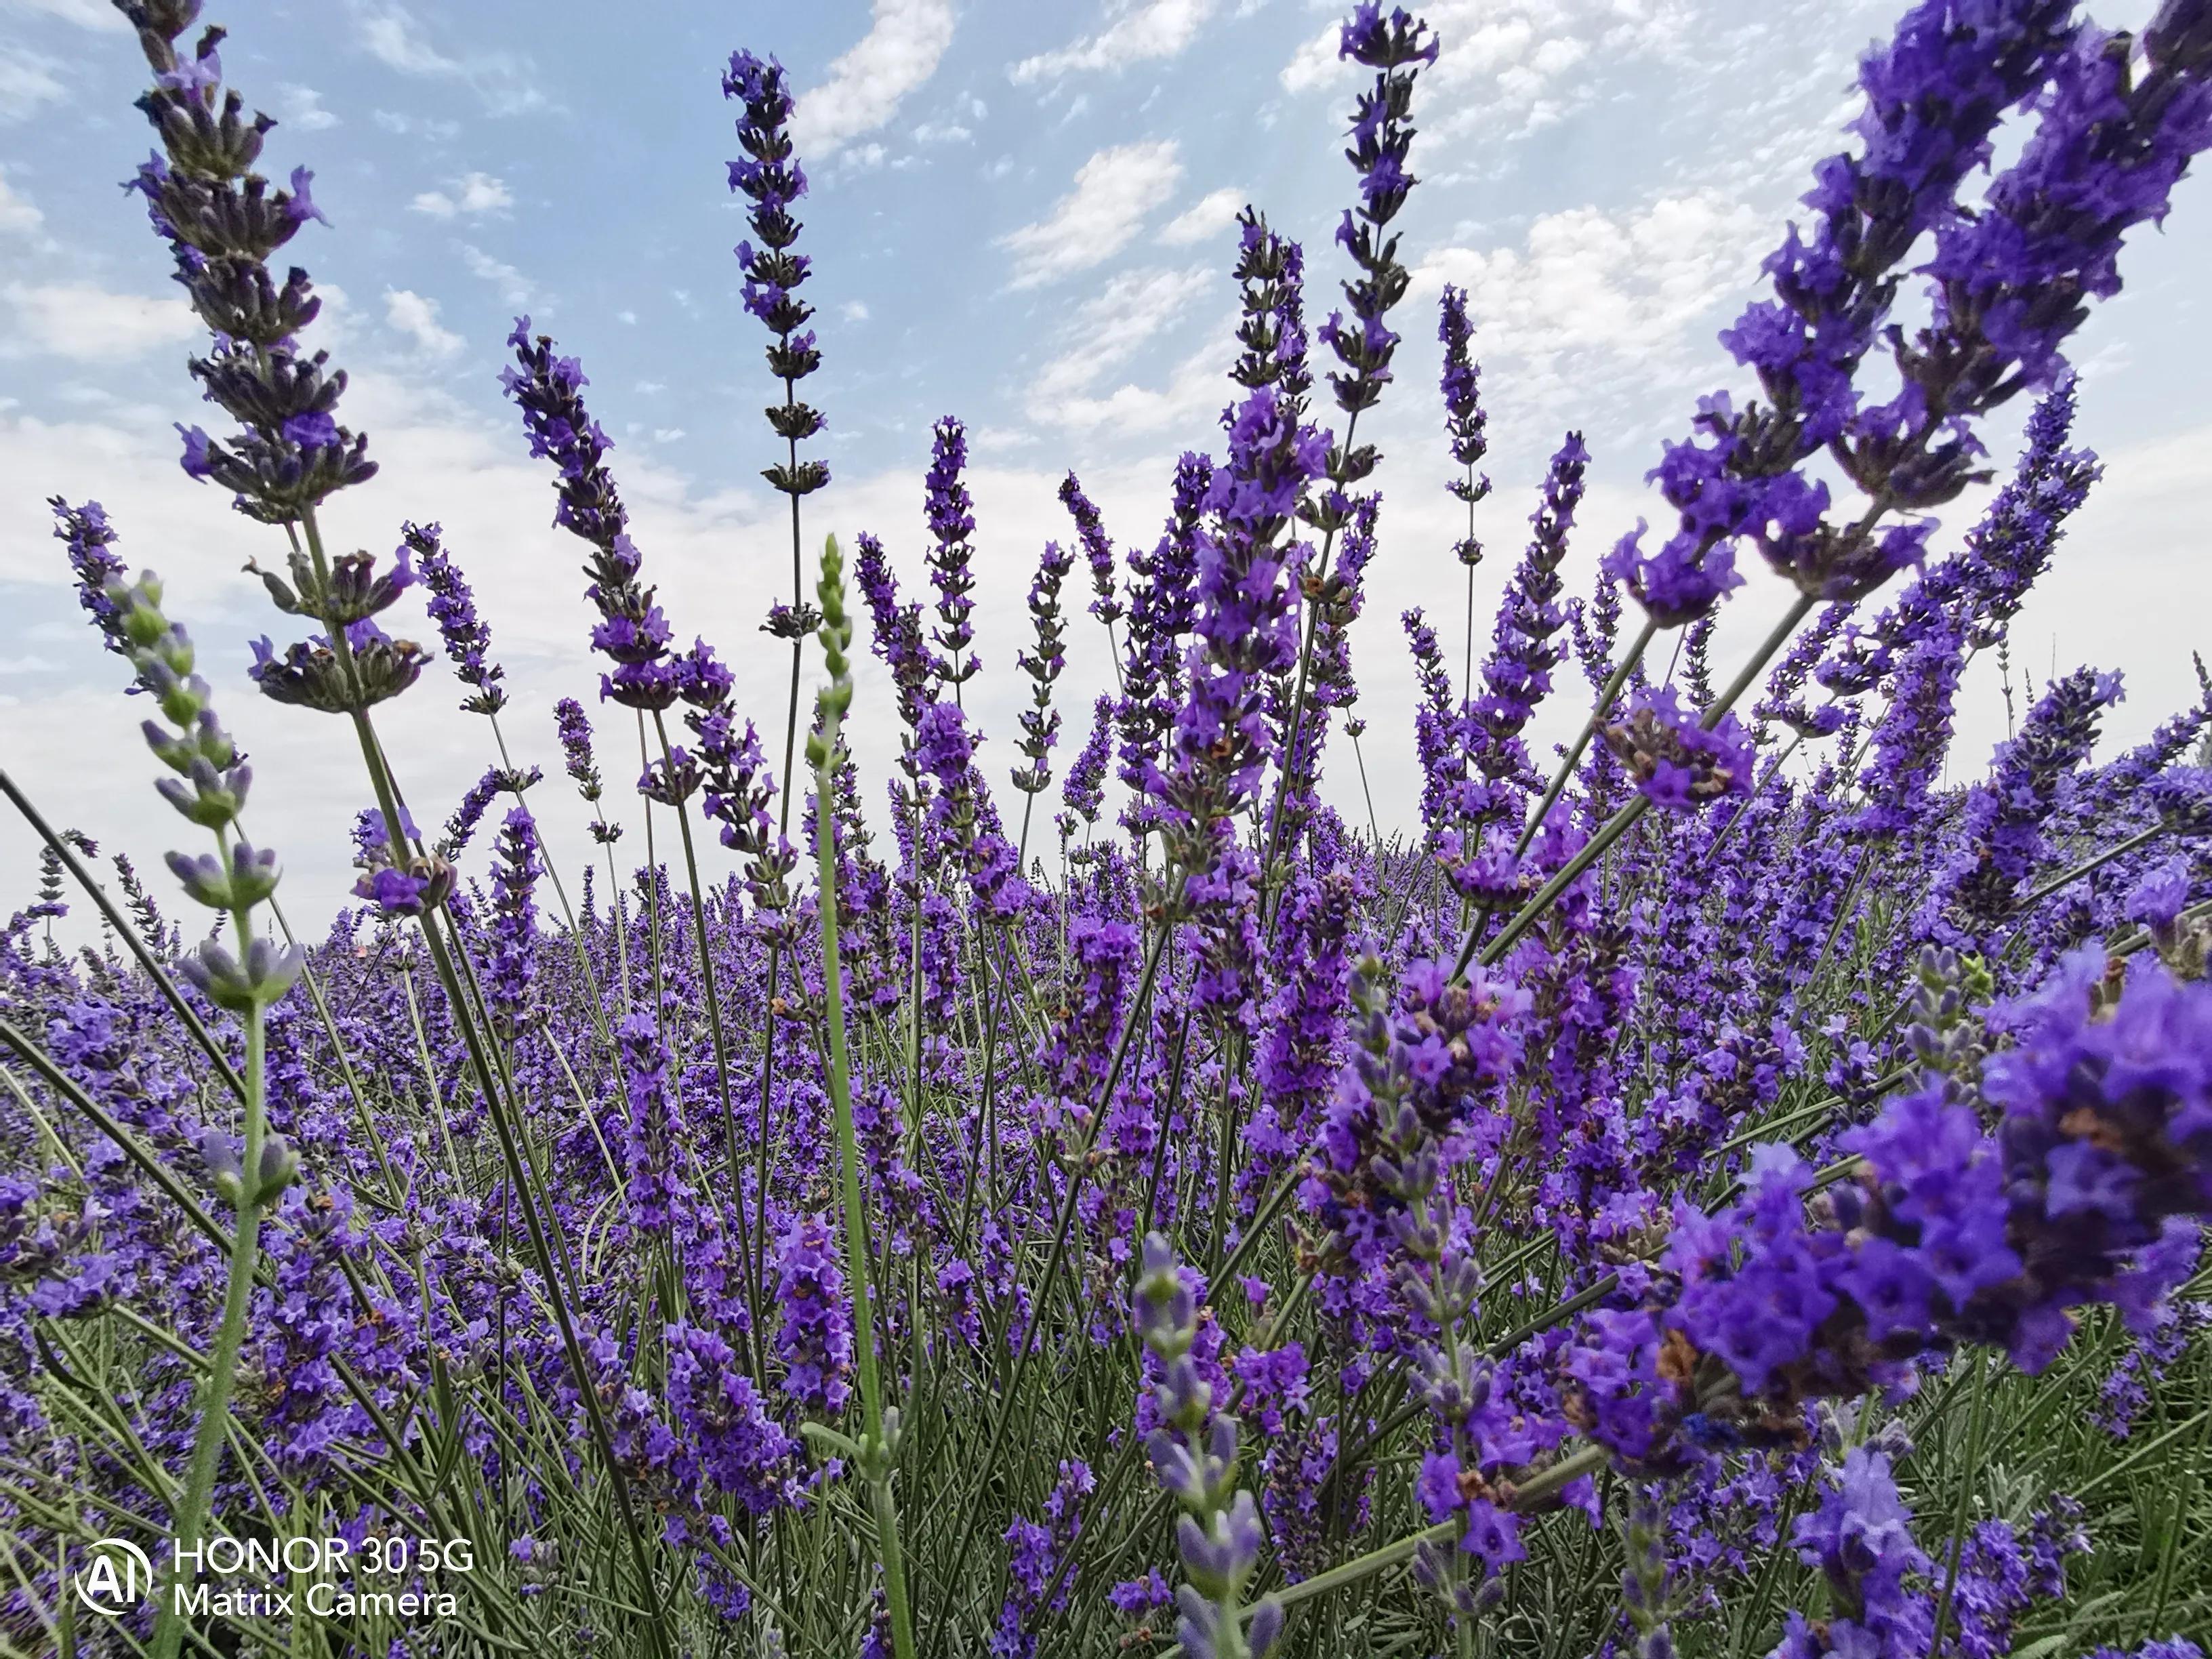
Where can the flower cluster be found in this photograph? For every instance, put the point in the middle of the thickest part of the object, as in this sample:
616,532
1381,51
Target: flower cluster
222,221
780,1244
452,606
1193,1454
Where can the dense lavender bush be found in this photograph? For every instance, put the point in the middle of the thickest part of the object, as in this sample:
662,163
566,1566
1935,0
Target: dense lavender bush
1717,1189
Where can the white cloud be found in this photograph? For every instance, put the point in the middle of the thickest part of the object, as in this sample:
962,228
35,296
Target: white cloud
1315,64
19,215
417,318
392,37
943,132
85,14
475,194
853,311
866,86
1506,63
440,459
513,287
506,83
1214,211
407,126
88,325
1196,386
1586,283
666,434
1106,329
1104,333
303,108
1157,28
27,81
1114,191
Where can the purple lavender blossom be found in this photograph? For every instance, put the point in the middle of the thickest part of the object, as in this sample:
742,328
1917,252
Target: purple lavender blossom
1934,97
1084,789
1043,664
771,178
1098,551
1861,1538
509,976
631,632
1464,420
452,606
86,534
1675,760
951,513
815,1340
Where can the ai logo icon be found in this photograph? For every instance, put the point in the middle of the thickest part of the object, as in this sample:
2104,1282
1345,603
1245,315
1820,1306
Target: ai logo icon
116,1578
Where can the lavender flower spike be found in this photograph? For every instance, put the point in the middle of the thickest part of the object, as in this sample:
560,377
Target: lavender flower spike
453,607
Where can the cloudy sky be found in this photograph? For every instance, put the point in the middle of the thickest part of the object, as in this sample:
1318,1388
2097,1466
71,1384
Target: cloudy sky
1021,215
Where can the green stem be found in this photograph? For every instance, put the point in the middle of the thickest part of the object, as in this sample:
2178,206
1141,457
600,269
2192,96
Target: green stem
1964,1505
715,1030
191,1517
497,1108
568,911
856,1232
798,641
1544,1487
1574,755
1079,1168
1374,827
1269,898
2088,864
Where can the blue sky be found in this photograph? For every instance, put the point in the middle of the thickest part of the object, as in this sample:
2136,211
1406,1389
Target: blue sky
1020,215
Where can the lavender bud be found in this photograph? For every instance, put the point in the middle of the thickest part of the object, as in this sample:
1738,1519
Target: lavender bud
266,974
280,1168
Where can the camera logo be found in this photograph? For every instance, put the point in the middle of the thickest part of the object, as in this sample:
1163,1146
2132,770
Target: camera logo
117,1577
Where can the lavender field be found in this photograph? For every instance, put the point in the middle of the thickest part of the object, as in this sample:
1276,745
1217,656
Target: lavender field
1719,1169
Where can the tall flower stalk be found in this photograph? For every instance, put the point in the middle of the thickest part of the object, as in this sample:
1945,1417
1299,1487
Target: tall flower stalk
771,178
1395,47
222,221
1759,1106
876,1452
252,1171
1466,425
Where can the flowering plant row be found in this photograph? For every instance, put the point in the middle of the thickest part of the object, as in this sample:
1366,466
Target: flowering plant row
1724,1191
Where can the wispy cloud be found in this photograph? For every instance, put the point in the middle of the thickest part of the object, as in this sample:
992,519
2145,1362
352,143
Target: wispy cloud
1101,336
473,194
1585,286
506,84
1507,63
1214,211
417,318
1156,29
86,13
409,126
303,108
19,215
514,289
1116,191
88,325
27,84
900,51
